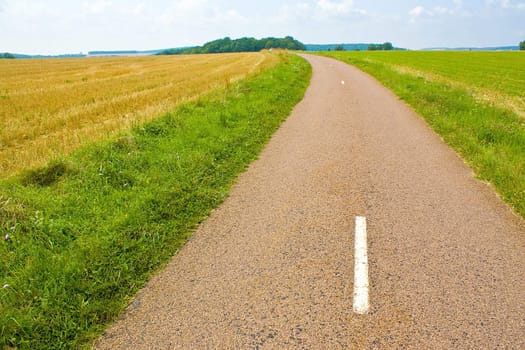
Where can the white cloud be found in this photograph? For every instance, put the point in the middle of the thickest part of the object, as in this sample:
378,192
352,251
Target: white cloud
96,7
419,12
58,26
28,11
439,10
507,4
342,8
422,13
137,9
229,15
195,12
290,13
334,7
319,10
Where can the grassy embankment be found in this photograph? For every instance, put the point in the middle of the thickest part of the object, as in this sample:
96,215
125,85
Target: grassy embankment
474,100
51,106
88,230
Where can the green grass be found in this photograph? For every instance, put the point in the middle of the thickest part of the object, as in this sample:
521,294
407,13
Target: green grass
499,71
490,137
87,231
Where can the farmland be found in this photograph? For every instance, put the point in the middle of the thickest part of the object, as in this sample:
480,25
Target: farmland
50,107
84,232
474,100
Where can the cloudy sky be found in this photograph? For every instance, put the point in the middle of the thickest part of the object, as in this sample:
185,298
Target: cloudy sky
70,26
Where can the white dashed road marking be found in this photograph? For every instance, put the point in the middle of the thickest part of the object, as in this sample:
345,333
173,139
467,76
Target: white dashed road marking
361,302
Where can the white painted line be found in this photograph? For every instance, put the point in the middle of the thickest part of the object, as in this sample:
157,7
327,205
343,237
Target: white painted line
361,303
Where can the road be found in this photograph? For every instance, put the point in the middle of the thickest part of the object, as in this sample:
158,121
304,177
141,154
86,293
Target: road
273,267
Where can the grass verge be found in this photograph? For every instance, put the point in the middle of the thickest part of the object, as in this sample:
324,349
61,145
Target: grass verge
490,139
82,235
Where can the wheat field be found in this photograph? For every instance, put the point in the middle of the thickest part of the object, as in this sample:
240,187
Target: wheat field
49,107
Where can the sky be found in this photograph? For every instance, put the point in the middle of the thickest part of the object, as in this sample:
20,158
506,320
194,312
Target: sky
70,26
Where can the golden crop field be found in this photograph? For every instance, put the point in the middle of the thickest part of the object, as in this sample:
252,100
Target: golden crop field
49,107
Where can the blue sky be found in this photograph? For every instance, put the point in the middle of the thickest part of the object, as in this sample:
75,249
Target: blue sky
62,26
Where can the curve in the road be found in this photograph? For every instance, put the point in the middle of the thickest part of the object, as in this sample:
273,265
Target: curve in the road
273,266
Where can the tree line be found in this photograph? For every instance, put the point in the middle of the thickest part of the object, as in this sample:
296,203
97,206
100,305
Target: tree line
7,55
371,47
239,45
381,47
522,46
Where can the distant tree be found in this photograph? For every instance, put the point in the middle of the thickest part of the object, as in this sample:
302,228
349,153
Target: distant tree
240,45
339,48
291,44
7,55
522,46
388,46
381,47
269,43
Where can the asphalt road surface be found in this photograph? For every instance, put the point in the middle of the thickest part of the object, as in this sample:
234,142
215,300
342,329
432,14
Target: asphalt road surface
273,267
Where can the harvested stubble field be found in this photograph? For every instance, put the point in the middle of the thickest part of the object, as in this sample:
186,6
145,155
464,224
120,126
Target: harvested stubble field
48,107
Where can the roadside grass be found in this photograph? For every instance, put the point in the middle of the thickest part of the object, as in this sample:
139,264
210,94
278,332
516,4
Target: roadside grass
490,77
503,72
88,230
491,139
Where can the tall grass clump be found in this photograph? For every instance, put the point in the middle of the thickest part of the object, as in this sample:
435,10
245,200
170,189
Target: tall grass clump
489,137
84,233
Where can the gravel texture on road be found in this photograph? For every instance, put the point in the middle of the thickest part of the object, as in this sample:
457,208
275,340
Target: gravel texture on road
272,268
